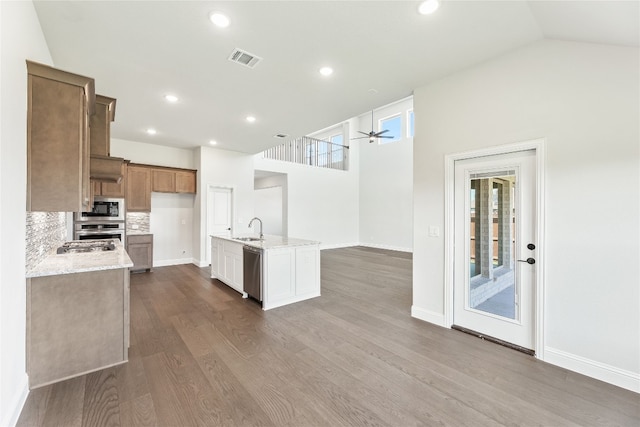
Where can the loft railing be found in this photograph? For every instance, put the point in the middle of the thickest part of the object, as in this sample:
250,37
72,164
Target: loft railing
311,151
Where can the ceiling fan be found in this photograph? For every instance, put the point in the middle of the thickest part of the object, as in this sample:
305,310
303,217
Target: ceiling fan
373,135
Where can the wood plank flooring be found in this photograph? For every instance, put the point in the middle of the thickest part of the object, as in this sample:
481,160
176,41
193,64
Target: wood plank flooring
202,356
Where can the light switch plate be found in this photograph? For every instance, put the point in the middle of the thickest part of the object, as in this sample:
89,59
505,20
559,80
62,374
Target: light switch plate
434,231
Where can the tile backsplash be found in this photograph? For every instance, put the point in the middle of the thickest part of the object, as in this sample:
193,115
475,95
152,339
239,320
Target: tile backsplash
141,220
45,231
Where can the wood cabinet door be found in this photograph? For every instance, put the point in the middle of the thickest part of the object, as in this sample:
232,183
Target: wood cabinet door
111,189
185,182
138,189
163,181
57,147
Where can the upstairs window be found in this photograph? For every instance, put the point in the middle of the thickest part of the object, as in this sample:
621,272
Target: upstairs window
410,124
394,125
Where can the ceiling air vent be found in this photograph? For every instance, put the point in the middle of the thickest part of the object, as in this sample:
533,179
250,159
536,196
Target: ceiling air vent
244,58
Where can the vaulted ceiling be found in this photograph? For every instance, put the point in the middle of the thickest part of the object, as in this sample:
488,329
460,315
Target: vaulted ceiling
139,51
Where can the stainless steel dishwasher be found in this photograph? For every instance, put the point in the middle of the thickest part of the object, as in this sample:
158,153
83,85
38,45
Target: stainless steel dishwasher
252,271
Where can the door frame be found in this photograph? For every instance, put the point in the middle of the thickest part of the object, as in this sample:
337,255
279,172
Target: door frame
449,228
232,190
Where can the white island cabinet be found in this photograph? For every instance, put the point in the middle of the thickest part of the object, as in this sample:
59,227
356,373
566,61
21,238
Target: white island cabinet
290,267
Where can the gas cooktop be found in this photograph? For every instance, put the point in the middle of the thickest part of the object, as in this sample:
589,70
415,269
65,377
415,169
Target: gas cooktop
87,246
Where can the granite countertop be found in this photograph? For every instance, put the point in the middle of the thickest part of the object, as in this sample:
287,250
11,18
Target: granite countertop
55,264
270,241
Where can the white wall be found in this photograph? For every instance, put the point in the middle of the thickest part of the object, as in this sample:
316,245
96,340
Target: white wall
228,169
171,224
386,184
322,203
152,154
172,240
584,99
20,38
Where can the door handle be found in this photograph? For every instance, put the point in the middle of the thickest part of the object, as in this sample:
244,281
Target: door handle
528,260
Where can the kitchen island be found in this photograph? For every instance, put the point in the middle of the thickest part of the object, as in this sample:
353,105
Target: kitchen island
77,313
290,267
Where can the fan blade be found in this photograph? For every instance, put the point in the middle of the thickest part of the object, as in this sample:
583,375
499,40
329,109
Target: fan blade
364,133
382,131
361,137
385,136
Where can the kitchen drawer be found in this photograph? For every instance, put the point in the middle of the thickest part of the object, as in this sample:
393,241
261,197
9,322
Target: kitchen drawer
139,238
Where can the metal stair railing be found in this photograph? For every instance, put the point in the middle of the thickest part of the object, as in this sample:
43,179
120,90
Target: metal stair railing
311,151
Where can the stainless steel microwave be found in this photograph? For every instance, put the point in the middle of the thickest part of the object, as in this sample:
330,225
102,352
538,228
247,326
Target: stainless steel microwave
104,209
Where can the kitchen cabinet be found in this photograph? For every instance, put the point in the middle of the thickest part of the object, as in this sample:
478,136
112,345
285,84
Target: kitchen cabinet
76,323
186,182
226,263
140,250
111,189
290,267
59,105
163,180
138,188
100,124
169,180
291,274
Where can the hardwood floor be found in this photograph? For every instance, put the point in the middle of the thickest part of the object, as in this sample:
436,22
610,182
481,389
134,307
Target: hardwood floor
201,355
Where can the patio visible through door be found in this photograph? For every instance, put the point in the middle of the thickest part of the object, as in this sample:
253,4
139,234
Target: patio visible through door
494,267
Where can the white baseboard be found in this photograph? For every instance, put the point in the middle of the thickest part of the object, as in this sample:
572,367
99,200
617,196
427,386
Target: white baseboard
199,263
368,245
167,262
601,371
387,247
324,246
14,408
428,316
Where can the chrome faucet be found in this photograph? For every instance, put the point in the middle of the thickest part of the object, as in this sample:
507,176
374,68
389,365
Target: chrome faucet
259,220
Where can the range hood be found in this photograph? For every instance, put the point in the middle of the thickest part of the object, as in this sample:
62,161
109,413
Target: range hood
106,168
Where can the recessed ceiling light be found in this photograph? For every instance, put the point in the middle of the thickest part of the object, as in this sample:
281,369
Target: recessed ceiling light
171,98
151,131
251,119
428,6
219,20
326,71
213,142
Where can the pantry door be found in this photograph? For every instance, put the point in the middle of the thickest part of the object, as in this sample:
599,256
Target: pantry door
495,247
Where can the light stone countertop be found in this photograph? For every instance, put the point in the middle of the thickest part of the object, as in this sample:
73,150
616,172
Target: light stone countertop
55,264
270,241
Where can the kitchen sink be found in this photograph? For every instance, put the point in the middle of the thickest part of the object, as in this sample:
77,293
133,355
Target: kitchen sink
248,239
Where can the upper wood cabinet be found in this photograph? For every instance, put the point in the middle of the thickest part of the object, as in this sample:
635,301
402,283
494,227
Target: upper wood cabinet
143,179
100,124
186,182
138,184
172,180
112,189
163,180
59,107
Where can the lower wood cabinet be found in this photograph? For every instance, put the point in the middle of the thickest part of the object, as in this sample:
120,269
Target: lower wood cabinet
76,323
140,250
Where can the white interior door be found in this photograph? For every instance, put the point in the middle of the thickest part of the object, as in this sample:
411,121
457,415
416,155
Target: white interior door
219,214
494,232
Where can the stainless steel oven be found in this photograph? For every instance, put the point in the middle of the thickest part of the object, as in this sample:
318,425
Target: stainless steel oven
104,209
99,230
